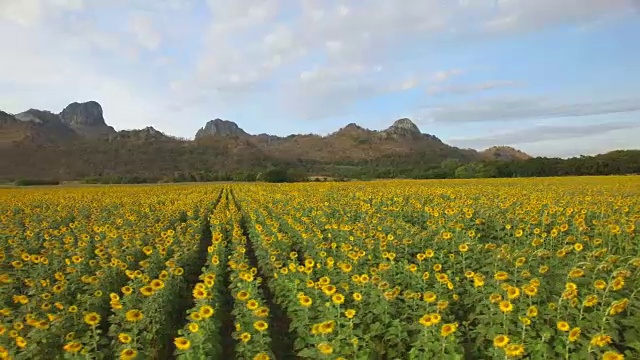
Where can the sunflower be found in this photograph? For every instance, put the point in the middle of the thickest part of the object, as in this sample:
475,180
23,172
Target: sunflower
612,355
563,326
124,338
532,311
500,341
514,350
245,337
350,313
448,329
128,354
530,290
146,290
442,305
261,356
325,348
600,340
21,342
618,307
206,311
600,284
92,318
328,290
193,327
513,293
201,294
506,306
261,312
326,327
574,334
134,315
260,325
72,347
494,298
429,297
242,295
182,343
337,299
305,301
357,296
576,273
590,301
127,290
501,276
617,283
252,304
157,284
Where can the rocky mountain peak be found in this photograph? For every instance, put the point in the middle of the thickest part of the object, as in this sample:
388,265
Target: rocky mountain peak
38,116
6,118
146,134
403,127
83,114
86,119
219,127
351,128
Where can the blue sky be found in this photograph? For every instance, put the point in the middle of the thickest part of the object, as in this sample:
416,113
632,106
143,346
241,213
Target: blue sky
550,77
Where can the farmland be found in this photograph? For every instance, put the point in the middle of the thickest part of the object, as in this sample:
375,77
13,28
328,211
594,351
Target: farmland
451,269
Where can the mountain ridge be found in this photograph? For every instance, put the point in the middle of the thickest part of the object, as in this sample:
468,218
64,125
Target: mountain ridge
86,119
78,142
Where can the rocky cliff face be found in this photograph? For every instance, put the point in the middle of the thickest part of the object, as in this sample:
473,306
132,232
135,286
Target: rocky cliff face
6,118
34,126
86,119
220,127
39,117
147,134
403,128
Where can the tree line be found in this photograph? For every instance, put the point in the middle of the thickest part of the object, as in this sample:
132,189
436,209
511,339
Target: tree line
622,162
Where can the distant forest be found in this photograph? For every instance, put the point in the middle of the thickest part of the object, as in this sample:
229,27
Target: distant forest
614,163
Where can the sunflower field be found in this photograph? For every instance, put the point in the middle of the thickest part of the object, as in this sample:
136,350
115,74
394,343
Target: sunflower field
435,269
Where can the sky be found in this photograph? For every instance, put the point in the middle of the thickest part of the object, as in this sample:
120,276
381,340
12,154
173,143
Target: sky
549,77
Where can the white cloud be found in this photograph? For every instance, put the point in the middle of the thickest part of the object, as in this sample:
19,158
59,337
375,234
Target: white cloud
26,13
445,75
312,58
517,15
142,28
461,89
514,109
544,133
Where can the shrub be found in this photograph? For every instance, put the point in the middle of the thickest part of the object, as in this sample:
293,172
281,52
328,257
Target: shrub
37,182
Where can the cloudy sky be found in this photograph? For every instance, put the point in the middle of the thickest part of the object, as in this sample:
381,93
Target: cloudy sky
551,77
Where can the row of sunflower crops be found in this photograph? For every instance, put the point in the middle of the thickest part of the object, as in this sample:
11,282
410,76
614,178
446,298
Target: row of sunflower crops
97,272
481,269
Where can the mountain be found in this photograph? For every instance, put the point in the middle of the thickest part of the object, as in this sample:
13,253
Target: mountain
505,153
35,126
78,143
86,119
220,127
147,134
76,121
